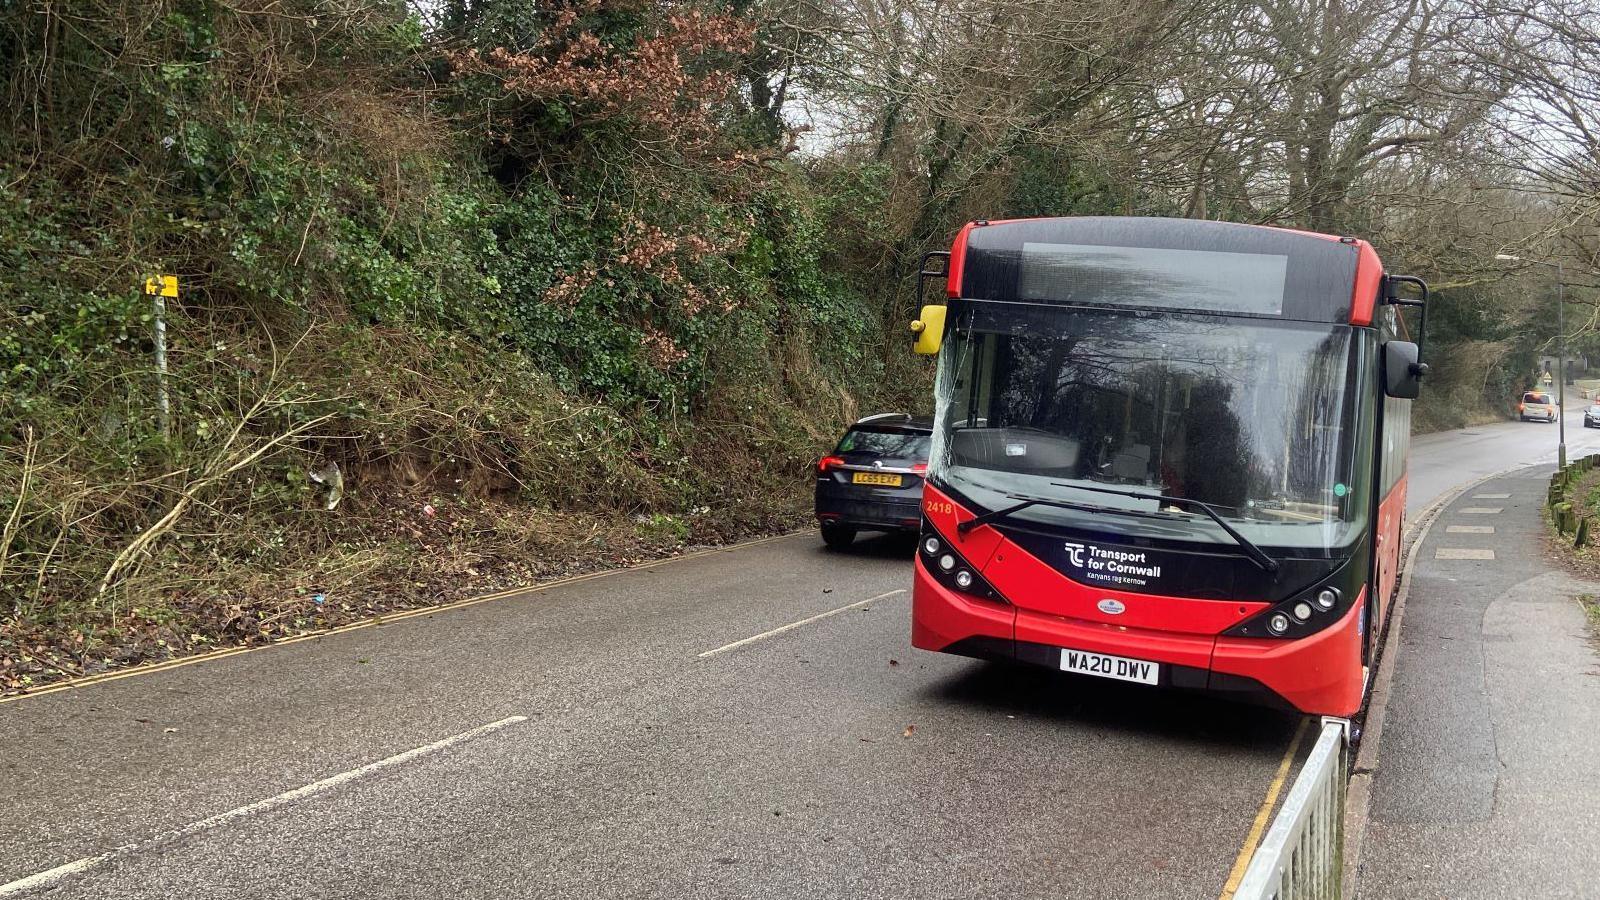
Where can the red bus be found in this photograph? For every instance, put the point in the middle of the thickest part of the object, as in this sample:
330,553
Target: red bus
1167,451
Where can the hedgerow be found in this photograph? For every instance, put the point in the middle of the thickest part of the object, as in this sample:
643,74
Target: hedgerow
531,323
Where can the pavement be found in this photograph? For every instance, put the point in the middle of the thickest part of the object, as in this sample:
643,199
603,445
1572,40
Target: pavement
1487,783
743,723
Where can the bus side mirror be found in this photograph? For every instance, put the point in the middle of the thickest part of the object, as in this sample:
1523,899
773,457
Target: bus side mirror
929,329
1402,373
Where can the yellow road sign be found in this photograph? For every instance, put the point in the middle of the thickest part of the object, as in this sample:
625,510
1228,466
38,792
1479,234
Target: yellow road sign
165,285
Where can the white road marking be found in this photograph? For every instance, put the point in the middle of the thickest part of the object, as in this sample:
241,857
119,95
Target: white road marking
1491,496
793,625
1461,553
1480,510
1469,529
77,867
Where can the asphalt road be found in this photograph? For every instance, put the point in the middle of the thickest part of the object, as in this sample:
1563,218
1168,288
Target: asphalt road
603,739
1447,459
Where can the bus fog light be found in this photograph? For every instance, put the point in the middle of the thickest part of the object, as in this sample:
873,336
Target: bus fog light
947,562
1278,624
930,546
1302,611
963,579
1326,598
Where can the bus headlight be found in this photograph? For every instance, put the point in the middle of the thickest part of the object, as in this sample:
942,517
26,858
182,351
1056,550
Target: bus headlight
940,557
1323,604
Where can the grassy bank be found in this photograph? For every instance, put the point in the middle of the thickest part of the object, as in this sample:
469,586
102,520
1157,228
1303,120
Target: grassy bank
1573,515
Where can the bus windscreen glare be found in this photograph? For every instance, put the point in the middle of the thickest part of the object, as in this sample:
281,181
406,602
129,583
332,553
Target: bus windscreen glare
1163,453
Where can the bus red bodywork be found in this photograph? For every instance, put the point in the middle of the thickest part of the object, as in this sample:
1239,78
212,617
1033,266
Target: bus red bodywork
1029,608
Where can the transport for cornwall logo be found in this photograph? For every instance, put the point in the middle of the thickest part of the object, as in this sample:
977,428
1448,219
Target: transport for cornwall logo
1112,566
1075,552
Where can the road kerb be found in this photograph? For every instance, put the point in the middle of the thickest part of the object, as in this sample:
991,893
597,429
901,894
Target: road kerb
1358,792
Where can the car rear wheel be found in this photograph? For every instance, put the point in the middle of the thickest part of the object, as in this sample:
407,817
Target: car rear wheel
838,537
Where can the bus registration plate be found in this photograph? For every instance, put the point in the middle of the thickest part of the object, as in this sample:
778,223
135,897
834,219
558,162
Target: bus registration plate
1107,666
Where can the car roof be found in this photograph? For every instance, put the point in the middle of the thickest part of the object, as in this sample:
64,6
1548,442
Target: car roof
896,420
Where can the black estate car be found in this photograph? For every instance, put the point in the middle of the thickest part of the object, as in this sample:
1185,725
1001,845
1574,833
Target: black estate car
873,480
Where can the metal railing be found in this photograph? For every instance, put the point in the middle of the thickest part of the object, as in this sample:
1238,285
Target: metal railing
1303,853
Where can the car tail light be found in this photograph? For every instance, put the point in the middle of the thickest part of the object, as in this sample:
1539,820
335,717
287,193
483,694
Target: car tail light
1522,407
828,463
919,467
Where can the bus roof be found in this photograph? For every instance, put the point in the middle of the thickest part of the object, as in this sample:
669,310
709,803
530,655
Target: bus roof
1193,264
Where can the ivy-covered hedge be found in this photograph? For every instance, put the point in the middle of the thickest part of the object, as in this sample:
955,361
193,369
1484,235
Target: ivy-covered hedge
483,302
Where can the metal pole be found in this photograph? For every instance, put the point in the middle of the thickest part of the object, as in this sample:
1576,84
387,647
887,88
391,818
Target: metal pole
1561,372
160,288
163,399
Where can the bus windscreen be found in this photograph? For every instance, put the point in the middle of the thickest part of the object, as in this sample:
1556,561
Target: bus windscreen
1254,417
1202,280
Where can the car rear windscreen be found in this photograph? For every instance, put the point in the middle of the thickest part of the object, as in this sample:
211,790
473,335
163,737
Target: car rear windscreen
884,442
1536,398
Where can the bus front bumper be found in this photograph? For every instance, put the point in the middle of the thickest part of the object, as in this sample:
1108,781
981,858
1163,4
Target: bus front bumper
1318,675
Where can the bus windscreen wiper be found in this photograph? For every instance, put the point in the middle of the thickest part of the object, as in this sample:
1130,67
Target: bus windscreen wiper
1254,553
1026,501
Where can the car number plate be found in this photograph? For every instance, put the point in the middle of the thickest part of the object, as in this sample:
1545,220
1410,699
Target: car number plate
876,478
1107,666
